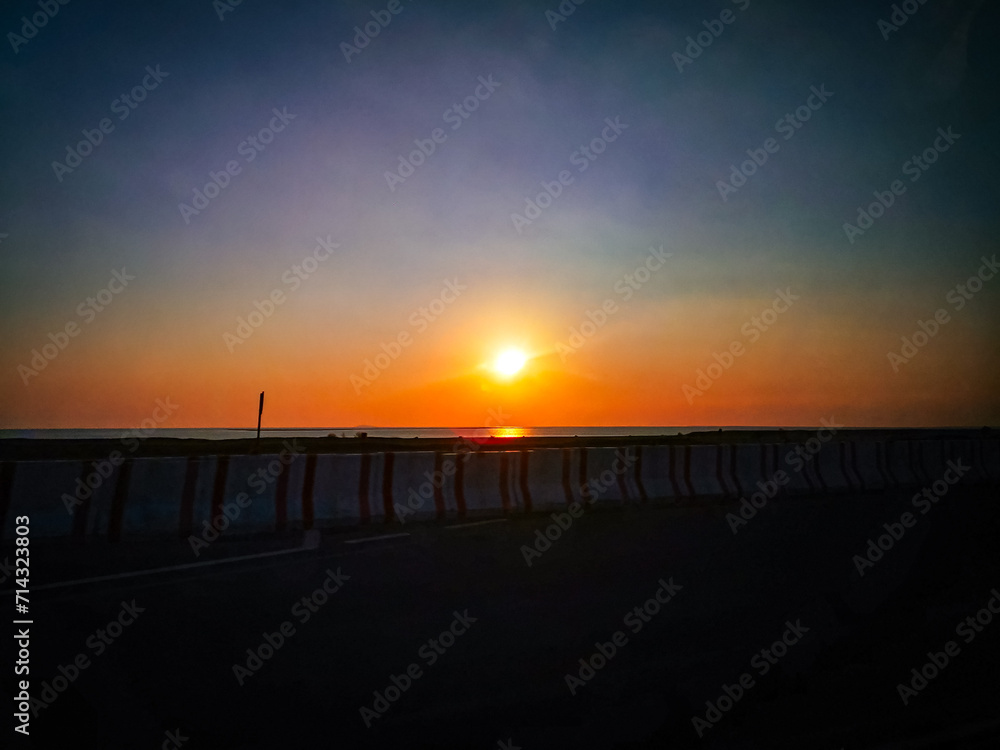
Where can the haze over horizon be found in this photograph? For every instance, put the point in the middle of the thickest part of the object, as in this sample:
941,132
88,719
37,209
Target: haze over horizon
568,219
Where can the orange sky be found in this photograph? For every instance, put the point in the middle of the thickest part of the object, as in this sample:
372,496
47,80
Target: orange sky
815,361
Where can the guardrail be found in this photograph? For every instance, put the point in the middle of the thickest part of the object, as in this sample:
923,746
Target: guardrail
179,496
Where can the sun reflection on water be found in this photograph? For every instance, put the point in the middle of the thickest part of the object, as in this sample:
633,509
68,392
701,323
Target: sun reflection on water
509,432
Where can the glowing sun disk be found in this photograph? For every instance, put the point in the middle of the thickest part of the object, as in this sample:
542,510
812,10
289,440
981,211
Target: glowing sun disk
510,361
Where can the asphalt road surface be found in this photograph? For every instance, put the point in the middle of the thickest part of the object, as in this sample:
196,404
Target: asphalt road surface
442,636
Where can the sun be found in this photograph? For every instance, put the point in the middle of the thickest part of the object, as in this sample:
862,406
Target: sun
510,362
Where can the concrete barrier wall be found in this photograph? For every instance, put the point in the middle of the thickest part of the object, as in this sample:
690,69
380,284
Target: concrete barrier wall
547,473
342,489
453,500
750,468
417,484
655,473
829,465
967,453
156,492
728,469
609,476
181,496
849,462
483,486
866,466
703,470
991,460
981,462
245,482
680,471
933,459
901,460
35,490
800,468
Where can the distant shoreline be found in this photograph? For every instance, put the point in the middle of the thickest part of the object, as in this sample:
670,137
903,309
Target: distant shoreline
20,449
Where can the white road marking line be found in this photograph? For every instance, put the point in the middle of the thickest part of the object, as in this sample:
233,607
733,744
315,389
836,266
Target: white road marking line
475,523
153,571
376,538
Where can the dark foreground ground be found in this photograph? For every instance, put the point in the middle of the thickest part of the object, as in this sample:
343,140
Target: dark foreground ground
502,683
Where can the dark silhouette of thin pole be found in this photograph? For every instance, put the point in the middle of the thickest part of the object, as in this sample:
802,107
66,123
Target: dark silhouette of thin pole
260,410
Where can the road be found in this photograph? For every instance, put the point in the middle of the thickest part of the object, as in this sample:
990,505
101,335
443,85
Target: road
773,625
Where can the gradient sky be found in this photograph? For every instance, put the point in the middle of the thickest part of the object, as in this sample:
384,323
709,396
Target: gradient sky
324,176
